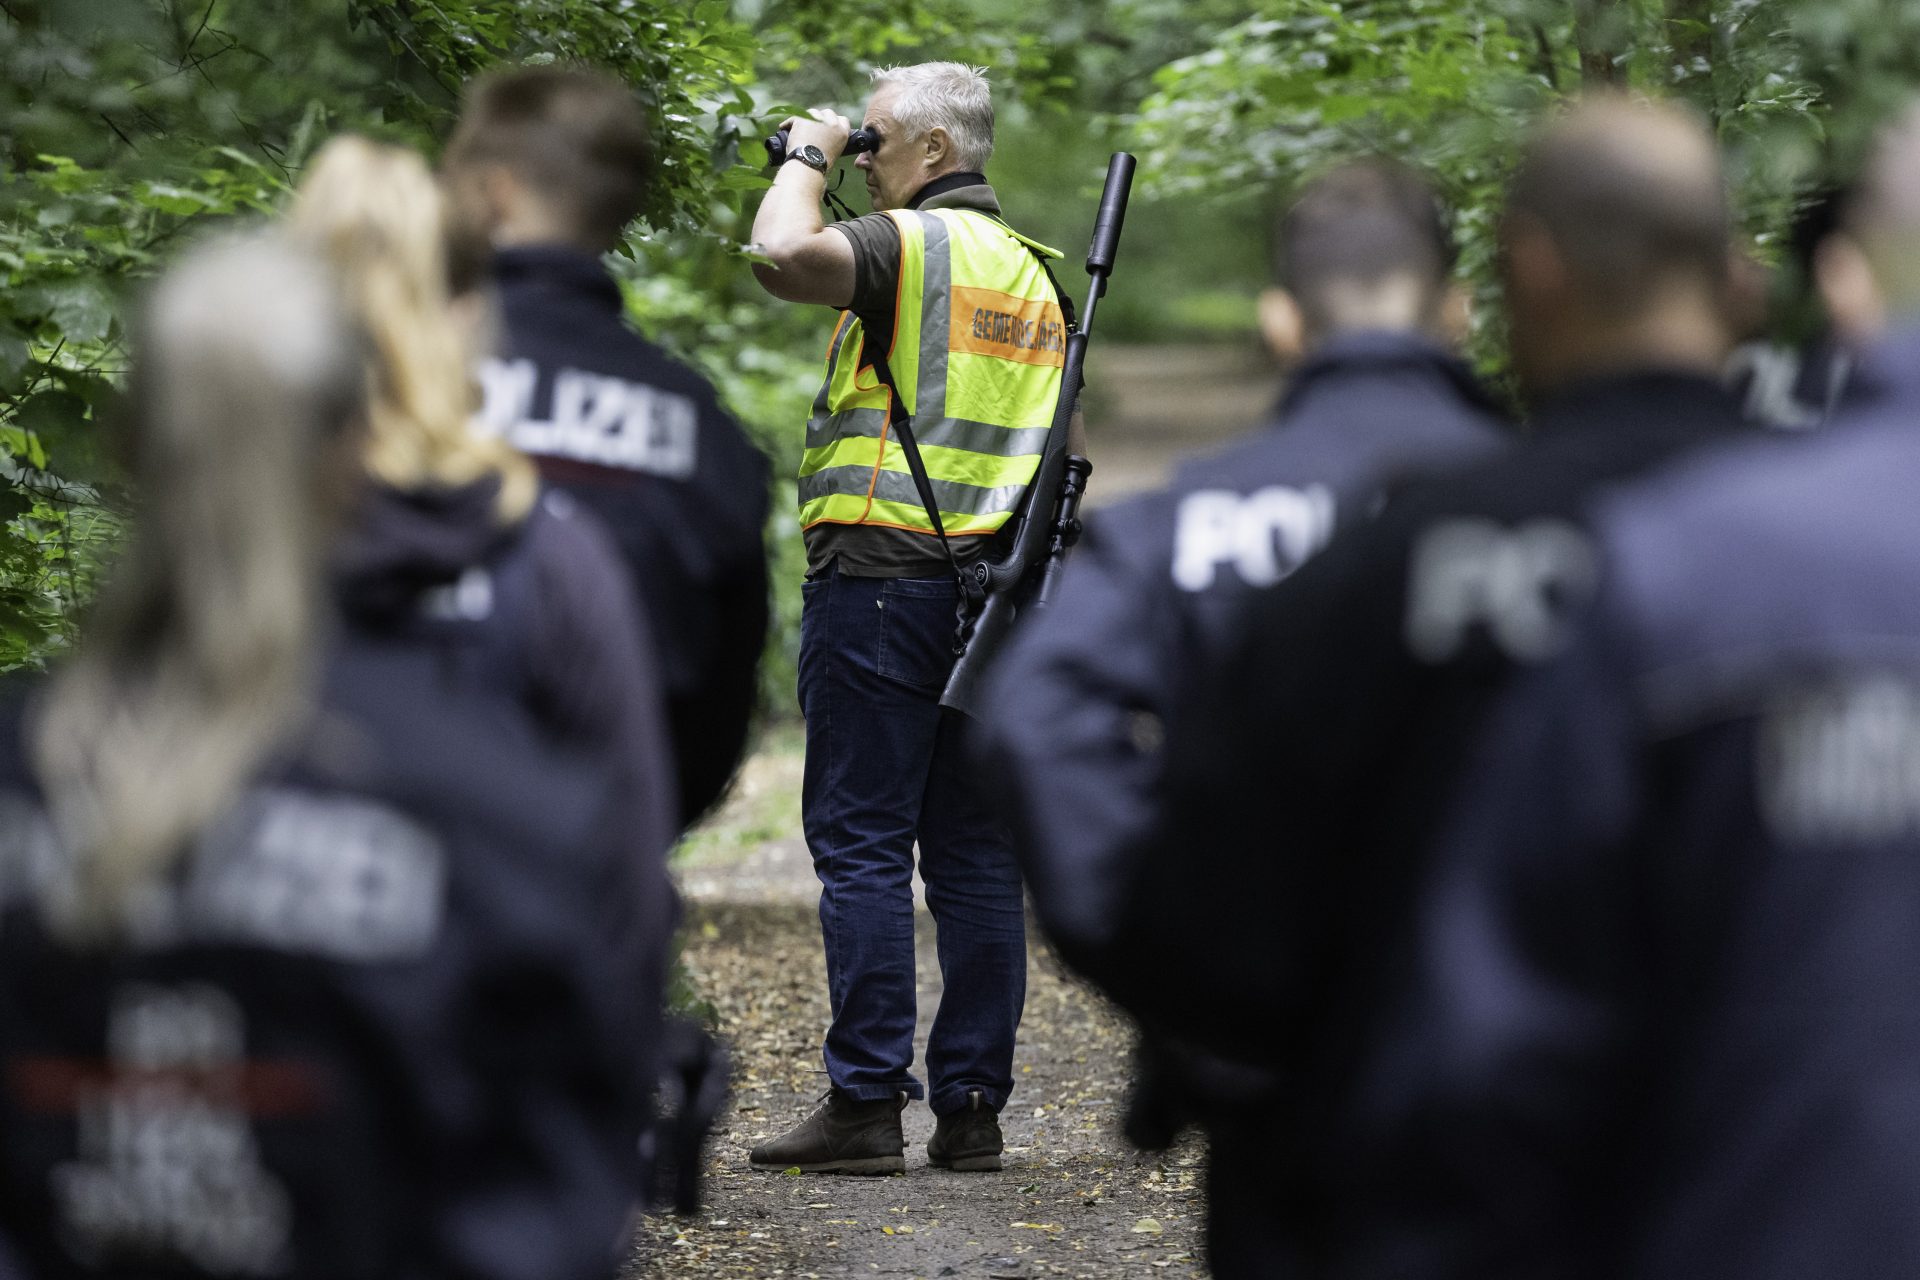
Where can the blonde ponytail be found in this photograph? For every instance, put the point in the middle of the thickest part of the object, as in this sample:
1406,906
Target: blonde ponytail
376,213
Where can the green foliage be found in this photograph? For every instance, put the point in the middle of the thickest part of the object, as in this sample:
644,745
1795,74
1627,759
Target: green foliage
129,125
691,62
124,125
1298,84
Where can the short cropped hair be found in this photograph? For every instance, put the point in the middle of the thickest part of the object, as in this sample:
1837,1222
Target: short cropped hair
1633,196
1361,223
945,95
575,136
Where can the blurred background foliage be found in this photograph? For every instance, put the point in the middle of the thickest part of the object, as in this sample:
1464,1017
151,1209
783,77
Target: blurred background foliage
128,125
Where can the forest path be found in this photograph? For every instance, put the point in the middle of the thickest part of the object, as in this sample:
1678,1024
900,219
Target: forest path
1073,1200
1149,406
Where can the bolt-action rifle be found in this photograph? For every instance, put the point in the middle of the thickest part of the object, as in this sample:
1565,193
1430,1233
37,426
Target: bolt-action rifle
1047,522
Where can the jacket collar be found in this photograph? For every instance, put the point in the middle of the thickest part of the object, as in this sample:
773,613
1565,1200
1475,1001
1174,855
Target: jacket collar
963,190
403,541
1889,366
557,266
1681,399
1372,351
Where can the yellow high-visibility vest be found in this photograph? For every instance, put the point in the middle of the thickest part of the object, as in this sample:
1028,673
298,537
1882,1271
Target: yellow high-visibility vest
979,344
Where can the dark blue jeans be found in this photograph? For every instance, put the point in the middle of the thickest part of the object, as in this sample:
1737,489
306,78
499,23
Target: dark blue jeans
885,769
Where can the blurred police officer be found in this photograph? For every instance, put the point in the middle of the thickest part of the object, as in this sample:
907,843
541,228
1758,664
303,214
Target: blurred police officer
318,957
1317,757
1652,1015
552,163
950,318
1076,705
1791,371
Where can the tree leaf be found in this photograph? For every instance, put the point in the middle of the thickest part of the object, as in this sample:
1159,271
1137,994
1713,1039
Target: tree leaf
81,308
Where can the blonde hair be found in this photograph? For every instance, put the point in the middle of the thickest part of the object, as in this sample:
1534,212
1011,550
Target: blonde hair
201,655
377,215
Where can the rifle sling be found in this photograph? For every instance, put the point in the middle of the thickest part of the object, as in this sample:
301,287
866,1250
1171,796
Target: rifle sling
900,418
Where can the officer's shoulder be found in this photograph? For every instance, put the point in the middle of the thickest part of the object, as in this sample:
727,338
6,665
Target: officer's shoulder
1770,538
605,343
670,373
655,365
1227,465
559,520
1534,478
1145,517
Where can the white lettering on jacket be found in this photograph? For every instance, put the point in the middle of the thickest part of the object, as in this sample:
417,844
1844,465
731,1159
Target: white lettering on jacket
594,418
1842,762
1518,583
1263,536
167,1161
329,875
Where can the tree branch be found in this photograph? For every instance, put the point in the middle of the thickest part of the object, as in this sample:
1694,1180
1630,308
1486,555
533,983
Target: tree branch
1549,67
203,25
117,132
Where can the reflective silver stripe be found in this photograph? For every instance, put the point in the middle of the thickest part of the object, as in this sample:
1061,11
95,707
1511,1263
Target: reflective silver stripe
894,486
949,433
820,422
936,321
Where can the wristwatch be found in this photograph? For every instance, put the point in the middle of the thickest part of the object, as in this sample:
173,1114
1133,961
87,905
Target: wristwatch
810,156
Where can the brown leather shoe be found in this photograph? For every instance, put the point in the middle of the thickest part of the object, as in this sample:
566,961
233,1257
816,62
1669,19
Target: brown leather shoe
843,1135
967,1140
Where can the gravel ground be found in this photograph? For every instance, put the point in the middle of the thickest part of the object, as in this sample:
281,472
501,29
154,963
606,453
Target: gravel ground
1074,1199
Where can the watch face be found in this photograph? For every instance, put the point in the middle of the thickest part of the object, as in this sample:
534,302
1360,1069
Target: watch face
813,156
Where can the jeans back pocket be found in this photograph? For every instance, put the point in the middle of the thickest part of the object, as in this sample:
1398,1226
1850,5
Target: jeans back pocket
917,625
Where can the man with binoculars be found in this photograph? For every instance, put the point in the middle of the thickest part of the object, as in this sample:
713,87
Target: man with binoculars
941,381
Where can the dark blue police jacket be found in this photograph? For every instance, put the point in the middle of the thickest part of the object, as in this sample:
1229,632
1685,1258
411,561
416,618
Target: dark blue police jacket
640,440
1655,1014
392,1016
1324,758
1076,706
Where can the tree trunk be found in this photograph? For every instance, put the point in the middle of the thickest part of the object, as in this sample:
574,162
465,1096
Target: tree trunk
1597,30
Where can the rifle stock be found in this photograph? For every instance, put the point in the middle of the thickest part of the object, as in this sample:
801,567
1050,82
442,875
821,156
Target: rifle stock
1045,525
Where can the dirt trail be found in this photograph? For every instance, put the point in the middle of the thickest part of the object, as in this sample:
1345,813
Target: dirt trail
1148,406
1074,1199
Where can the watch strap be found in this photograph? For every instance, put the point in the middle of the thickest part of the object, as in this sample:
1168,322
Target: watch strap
799,153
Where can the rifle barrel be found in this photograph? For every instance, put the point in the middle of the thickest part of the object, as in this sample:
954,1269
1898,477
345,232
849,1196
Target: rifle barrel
1040,510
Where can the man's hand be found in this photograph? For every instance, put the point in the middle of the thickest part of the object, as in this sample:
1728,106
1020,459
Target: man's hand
827,130
805,261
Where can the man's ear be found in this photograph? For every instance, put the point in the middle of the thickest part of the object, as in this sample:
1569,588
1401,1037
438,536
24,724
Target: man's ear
1531,263
1453,316
1843,276
938,146
499,196
1282,325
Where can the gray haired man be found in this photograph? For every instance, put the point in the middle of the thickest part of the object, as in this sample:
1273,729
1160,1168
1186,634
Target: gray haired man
952,314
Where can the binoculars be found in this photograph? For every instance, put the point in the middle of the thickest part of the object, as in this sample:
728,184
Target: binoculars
857,141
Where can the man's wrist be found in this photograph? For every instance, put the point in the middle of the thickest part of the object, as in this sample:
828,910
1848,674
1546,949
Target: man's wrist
795,166
808,133
809,155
